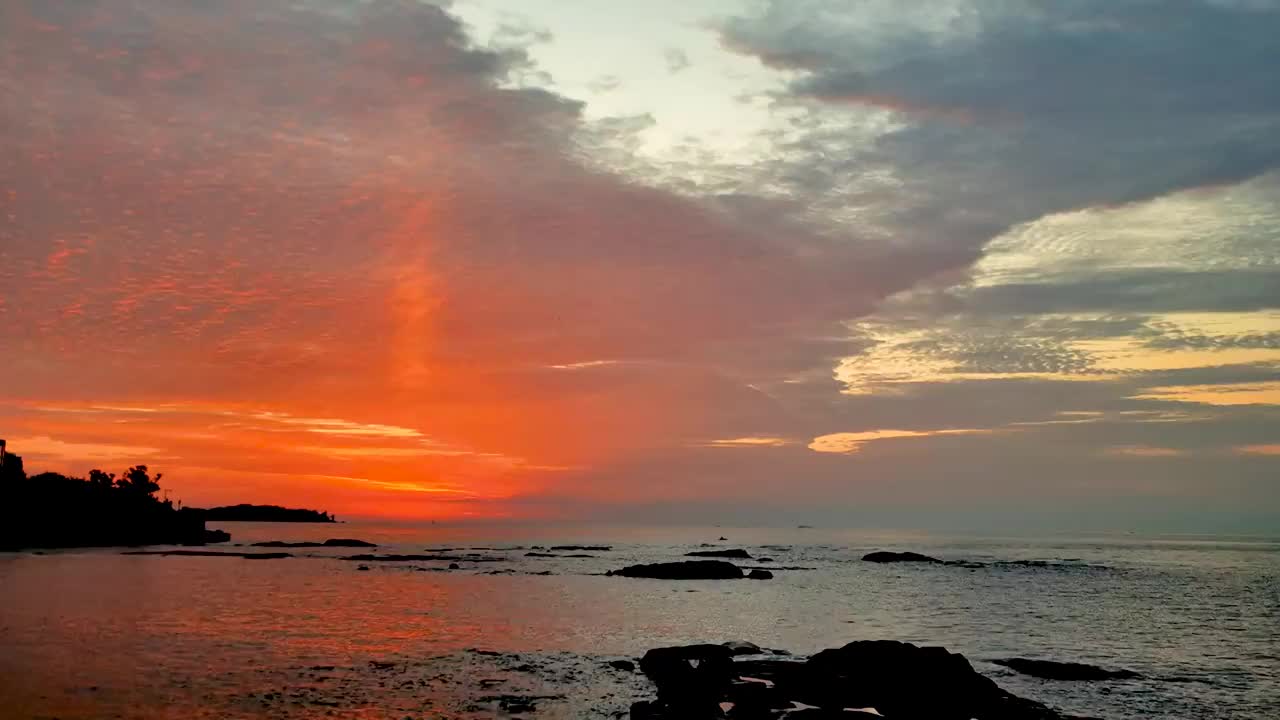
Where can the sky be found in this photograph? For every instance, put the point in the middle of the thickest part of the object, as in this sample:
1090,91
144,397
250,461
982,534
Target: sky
987,263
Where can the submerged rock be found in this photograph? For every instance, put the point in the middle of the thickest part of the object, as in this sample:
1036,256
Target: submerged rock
1053,670
884,556
683,570
735,553
760,575
623,665
897,680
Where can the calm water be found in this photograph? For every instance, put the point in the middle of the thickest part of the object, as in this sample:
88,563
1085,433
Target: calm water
104,635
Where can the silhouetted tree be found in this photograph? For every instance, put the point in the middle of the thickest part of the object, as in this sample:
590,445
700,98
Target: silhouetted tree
102,481
137,481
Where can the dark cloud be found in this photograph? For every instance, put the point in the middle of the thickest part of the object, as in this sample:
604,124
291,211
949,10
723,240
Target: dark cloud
1018,109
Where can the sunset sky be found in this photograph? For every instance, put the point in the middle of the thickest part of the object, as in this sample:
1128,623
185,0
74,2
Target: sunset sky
788,261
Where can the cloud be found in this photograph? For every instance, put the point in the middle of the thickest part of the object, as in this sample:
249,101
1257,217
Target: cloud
325,241
1264,450
1145,451
851,442
51,449
676,59
1265,393
749,442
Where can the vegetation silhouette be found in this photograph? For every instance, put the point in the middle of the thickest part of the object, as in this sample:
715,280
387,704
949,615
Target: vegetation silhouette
51,510
266,513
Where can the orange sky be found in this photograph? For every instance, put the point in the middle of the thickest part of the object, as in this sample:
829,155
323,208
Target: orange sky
353,259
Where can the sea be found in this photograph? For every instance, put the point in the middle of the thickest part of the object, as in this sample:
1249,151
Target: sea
98,634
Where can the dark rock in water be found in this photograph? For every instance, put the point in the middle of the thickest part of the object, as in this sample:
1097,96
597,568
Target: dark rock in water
333,542
624,665
423,558
883,556
212,537
540,554
210,553
760,575
764,559
455,566
693,677
723,538
737,554
742,647
348,542
1052,670
363,568
684,570
899,680
588,548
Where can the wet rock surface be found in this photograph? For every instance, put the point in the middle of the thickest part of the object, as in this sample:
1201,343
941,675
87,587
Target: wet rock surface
1054,670
893,679
685,570
736,553
211,553
332,542
885,556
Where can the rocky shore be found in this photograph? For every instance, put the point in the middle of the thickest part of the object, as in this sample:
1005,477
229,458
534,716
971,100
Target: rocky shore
877,678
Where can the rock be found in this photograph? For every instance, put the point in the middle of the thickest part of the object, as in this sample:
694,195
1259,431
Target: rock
216,536
760,575
1053,670
723,538
588,548
348,542
692,678
210,553
737,554
423,558
898,680
883,556
742,647
333,542
540,555
624,665
363,568
684,570
454,566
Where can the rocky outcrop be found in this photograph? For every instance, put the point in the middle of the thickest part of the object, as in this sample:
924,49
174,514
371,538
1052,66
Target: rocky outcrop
1053,670
332,542
760,575
424,558
735,554
211,553
885,556
684,570
897,680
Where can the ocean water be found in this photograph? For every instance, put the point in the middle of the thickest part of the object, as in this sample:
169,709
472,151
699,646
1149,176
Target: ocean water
99,634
